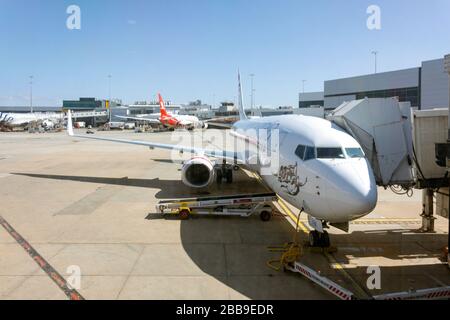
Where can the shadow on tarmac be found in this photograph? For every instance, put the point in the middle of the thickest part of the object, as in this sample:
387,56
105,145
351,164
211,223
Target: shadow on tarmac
235,250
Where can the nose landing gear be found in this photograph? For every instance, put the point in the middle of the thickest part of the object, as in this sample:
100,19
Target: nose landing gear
317,239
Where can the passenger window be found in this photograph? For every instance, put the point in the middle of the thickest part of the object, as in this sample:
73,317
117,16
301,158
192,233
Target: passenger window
300,151
310,153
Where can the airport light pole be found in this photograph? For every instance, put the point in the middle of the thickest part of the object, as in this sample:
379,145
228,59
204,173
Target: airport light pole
303,86
109,87
31,94
375,53
109,96
252,75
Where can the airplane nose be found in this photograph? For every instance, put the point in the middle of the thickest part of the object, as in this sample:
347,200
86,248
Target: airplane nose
356,195
354,201
363,200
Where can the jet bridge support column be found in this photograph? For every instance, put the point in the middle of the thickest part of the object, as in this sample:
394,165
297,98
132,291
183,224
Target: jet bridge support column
447,68
427,212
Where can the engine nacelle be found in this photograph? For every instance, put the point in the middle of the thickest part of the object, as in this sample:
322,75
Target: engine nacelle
197,172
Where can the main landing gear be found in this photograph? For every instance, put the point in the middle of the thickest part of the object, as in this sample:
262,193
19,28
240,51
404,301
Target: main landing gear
225,172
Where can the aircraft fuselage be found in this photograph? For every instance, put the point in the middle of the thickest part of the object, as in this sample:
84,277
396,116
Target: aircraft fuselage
312,164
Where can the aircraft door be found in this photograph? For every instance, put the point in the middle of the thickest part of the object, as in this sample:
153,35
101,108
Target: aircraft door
271,153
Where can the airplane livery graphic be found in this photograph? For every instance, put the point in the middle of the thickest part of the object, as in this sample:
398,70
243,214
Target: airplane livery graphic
5,117
290,180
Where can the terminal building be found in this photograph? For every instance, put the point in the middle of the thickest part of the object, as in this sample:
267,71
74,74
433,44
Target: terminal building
83,104
426,87
141,108
96,109
197,109
144,107
309,99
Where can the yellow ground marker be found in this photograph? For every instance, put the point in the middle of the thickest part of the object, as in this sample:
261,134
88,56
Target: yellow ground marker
291,215
331,259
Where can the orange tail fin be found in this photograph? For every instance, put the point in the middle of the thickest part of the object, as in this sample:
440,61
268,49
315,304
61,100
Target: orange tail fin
162,107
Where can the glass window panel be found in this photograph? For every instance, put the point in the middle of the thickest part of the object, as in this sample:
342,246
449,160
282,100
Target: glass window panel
300,151
354,152
310,153
330,153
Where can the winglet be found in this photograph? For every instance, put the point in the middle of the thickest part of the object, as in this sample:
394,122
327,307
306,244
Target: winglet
242,114
69,123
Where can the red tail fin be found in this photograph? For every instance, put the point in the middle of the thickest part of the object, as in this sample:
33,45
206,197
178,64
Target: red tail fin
162,107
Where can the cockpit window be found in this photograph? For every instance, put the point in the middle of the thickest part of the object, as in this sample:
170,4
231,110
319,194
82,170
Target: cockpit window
300,151
305,153
330,153
310,153
354,152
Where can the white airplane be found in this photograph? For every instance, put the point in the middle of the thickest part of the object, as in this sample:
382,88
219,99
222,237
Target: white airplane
169,120
11,120
322,170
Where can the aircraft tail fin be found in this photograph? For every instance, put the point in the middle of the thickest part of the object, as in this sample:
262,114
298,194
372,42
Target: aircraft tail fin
242,115
162,107
69,123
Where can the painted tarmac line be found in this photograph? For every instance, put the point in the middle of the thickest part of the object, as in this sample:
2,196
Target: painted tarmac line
72,294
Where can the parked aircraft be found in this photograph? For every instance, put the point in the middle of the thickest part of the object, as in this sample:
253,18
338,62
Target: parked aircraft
173,121
314,165
13,120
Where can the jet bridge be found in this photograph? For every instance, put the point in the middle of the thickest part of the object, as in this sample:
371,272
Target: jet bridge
383,128
400,144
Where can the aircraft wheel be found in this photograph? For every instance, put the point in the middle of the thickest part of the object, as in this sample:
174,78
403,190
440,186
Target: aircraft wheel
314,238
324,240
229,176
184,214
265,215
219,176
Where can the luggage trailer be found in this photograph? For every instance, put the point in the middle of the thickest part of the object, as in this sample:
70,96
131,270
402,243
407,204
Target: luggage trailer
235,205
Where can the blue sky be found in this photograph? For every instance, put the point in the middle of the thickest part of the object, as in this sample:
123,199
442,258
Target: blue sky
191,49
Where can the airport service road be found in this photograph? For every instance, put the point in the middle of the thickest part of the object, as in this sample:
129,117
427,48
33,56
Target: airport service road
89,204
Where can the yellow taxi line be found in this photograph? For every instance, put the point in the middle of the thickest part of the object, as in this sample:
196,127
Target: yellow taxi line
331,259
292,215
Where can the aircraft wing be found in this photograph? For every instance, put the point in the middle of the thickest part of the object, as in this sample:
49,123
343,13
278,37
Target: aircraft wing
150,120
185,122
231,156
220,124
223,122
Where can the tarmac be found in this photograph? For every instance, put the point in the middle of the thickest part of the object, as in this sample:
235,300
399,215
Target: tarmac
89,206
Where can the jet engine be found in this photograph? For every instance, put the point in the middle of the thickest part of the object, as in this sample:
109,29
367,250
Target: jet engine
197,172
